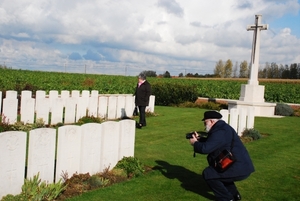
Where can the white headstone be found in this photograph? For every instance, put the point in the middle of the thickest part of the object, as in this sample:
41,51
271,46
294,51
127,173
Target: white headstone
39,95
53,94
81,109
68,150
102,106
25,94
85,93
94,93
10,109
120,106
224,114
12,162
129,105
127,138
11,94
242,125
57,111
75,93
150,107
233,121
65,95
41,154
42,109
27,110
112,107
70,110
90,148
250,117
0,102
93,106
109,146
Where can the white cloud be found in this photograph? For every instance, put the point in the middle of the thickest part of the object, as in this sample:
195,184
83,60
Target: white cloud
162,34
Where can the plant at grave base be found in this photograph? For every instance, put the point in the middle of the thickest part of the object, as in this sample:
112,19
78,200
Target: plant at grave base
283,109
254,134
95,181
89,119
35,190
4,124
11,197
132,166
64,175
39,123
150,114
211,106
20,126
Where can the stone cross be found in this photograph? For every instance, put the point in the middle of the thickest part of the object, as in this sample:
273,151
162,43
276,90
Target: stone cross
257,27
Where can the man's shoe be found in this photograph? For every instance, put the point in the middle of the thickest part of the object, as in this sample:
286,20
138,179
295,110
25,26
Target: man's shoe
137,125
237,196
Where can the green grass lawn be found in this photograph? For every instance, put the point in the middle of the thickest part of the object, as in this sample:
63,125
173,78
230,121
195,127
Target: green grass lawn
177,174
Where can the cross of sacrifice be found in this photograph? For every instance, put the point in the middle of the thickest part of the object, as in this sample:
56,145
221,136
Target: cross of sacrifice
257,27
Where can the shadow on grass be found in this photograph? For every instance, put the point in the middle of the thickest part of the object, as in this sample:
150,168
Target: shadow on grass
190,181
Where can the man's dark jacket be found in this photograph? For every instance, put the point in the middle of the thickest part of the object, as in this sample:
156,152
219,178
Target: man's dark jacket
219,138
142,94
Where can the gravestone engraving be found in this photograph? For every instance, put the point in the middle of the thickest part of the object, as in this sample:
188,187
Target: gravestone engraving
41,154
127,138
90,148
42,109
68,150
109,147
112,107
12,162
70,110
57,111
102,106
120,106
10,109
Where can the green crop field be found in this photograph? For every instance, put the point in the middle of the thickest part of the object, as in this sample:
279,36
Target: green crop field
286,91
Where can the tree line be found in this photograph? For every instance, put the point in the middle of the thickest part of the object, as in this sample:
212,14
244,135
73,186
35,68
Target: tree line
226,69
270,71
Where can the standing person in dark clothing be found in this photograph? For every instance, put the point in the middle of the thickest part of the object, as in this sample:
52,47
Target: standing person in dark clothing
222,136
142,96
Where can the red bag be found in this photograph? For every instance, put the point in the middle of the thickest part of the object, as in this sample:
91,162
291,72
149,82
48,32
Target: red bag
224,160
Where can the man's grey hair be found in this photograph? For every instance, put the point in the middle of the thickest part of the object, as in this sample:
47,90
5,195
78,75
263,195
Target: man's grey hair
142,76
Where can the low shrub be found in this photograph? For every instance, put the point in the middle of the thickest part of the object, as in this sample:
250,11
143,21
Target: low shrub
89,119
283,109
252,133
131,165
167,94
34,189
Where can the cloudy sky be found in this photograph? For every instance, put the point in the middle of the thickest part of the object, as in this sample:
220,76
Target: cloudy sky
125,37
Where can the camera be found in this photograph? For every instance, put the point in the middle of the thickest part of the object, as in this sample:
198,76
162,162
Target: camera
201,134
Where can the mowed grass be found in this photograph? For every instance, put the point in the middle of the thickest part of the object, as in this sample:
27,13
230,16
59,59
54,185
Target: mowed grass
177,175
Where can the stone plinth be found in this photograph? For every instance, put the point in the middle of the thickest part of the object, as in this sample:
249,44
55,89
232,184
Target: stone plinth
252,93
261,109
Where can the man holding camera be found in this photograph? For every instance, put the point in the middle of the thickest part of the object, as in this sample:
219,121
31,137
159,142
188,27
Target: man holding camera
222,137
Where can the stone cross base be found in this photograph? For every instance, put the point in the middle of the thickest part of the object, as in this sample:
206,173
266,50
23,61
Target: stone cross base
261,109
252,93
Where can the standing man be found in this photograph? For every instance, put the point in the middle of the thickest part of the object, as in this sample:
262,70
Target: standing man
142,96
222,136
